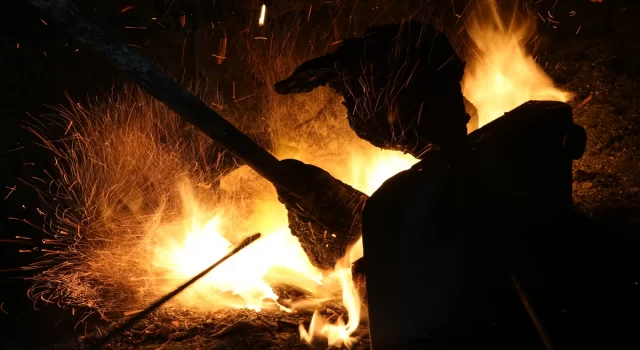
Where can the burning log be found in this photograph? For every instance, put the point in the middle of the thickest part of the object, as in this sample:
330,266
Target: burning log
323,212
400,83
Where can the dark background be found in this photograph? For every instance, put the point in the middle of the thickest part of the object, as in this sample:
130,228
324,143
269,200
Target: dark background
602,60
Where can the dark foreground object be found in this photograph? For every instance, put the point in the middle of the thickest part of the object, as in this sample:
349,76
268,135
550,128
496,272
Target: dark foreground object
400,84
441,238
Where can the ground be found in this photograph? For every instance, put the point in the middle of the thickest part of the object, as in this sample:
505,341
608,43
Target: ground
599,64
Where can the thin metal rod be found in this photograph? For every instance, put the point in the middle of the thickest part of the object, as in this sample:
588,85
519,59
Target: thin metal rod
139,316
532,315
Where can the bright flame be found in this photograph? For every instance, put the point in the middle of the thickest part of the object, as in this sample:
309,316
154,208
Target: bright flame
500,74
263,13
247,204
141,192
339,334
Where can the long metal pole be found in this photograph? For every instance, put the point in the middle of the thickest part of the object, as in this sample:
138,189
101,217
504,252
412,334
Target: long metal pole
139,316
167,90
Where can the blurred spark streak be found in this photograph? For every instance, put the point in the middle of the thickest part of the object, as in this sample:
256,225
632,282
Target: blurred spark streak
126,8
222,52
244,98
263,13
542,18
578,31
167,12
15,241
42,20
11,189
68,127
2,308
13,150
184,44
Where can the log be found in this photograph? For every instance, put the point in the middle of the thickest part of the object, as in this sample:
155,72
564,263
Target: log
323,211
400,83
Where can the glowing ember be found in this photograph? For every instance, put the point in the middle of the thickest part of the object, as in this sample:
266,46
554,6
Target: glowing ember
263,13
500,74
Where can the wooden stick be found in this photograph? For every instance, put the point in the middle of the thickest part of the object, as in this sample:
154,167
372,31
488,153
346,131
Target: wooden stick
167,90
135,319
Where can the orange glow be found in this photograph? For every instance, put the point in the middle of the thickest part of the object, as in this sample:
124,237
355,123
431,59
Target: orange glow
144,210
500,74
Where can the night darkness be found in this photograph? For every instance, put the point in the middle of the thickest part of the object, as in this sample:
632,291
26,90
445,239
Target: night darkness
593,265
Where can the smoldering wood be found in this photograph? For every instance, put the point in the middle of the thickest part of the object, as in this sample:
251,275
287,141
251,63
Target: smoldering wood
400,84
323,211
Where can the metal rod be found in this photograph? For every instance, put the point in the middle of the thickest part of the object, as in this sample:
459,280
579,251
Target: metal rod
139,316
167,90
542,332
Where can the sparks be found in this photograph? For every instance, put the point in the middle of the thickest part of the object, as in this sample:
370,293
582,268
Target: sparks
263,13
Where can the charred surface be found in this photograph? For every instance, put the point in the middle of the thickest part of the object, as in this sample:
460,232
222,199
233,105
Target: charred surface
326,217
400,83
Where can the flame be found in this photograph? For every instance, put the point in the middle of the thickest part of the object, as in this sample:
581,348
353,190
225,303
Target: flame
501,74
340,333
141,192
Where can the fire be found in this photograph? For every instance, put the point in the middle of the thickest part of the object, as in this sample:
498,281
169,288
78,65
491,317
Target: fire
340,333
139,214
500,73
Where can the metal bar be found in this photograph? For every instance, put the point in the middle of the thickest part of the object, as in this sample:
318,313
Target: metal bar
167,90
139,316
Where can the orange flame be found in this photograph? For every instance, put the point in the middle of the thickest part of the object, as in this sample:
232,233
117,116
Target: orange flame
124,169
501,75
